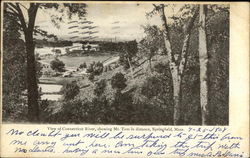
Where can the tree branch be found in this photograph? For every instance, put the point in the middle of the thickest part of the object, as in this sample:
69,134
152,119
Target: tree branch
187,32
14,14
32,11
21,17
10,7
23,6
13,6
166,35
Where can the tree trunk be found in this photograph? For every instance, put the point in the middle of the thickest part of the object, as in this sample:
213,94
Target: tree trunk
203,58
33,107
150,64
176,69
176,79
131,69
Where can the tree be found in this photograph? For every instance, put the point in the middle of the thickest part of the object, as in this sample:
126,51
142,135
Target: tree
83,65
149,45
70,90
101,111
176,68
14,65
100,87
218,32
128,51
203,57
122,104
91,77
57,65
28,28
95,67
118,82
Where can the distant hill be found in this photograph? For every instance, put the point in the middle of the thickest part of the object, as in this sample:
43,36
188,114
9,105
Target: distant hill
44,43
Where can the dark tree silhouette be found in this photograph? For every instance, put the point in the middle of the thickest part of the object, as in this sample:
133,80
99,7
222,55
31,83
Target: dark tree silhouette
176,68
57,65
70,91
27,23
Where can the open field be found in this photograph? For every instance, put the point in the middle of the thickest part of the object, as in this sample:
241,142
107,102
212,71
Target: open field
57,80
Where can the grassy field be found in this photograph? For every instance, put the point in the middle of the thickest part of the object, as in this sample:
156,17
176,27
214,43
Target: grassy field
58,80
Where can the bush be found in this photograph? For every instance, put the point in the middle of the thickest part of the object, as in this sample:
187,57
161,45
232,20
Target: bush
70,90
95,68
151,87
100,87
118,81
158,90
98,68
101,111
91,77
57,65
127,51
161,68
150,114
123,108
46,110
83,65
74,111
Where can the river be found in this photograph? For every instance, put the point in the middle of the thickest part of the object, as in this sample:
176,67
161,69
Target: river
50,88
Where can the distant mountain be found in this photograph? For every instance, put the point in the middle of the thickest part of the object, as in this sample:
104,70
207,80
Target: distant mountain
46,43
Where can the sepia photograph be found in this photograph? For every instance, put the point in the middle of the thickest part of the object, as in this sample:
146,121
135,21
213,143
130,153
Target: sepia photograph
115,63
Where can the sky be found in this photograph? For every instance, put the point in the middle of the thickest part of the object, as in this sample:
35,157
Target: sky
112,20
121,21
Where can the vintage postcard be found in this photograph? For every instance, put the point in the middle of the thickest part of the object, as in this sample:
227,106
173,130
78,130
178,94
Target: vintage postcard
124,79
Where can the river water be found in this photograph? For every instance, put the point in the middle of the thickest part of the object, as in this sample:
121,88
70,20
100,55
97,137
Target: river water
54,97
50,88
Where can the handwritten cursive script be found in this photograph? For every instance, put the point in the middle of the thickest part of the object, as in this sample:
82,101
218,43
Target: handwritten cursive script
188,142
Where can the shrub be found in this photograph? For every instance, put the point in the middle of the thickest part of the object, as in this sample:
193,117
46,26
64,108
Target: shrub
151,87
127,51
118,81
101,111
46,110
161,68
83,65
158,90
98,68
123,108
90,68
70,90
57,65
74,111
91,77
123,60
100,87
95,68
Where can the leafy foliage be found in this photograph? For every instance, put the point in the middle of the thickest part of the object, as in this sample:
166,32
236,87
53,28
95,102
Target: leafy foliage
152,43
95,68
100,87
70,90
83,65
91,77
57,65
118,81
14,65
122,107
73,111
218,47
127,52
148,102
